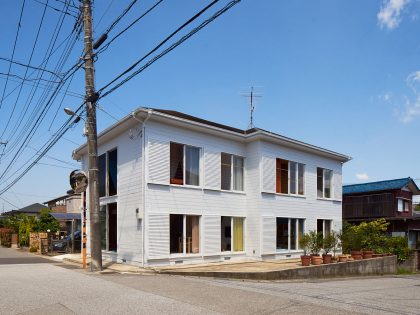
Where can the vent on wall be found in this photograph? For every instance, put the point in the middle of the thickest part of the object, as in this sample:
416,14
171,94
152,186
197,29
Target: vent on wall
227,258
179,261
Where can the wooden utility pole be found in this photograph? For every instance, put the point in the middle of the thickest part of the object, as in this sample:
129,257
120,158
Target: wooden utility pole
91,98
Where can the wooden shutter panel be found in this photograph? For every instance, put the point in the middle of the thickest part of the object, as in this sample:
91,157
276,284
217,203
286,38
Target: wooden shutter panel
158,162
269,235
212,235
268,174
212,170
158,236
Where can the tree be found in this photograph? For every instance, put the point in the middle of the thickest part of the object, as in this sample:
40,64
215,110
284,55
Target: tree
46,222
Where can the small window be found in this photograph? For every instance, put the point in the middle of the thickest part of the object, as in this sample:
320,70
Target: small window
282,233
184,164
232,234
289,230
324,183
177,163
102,175
232,172
192,165
180,243
226,171
108,173
112,172
290,177
323,227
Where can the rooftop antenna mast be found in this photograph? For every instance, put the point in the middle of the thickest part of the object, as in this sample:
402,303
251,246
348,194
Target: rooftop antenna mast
251,97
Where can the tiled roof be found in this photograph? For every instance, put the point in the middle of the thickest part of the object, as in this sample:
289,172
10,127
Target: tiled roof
378,186
34,208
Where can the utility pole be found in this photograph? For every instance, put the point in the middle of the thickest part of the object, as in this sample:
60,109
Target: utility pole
91,98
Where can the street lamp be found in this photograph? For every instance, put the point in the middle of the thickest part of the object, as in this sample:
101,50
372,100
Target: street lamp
70,112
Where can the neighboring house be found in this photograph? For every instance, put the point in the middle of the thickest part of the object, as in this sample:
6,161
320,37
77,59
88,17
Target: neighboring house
179,189
389,199
65,204
31,210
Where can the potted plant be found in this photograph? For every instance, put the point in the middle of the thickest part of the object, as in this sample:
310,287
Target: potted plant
315,246
304,242
328,242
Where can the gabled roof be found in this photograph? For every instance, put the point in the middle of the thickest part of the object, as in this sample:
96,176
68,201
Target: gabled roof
142,114
34,208
381,185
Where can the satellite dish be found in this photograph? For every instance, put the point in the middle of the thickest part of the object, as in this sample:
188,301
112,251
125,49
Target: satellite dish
78,181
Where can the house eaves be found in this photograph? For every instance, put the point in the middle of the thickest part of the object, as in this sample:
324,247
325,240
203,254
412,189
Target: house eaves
186,121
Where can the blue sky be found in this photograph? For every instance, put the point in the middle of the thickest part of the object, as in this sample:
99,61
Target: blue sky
337,74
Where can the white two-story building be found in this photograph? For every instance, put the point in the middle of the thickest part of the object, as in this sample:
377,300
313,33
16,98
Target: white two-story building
179,189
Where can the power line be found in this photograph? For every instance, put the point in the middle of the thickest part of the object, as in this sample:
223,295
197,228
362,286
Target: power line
129,26
170,48
68,12
160,44
29,66
4,199
13,51
118,19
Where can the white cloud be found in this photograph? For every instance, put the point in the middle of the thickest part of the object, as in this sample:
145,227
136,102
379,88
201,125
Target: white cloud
362,176
386,97
390,13
411,108
410,111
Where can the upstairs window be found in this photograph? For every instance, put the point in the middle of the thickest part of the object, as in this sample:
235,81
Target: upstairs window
324,183
232,172
184,164
403,205
107,173
290,177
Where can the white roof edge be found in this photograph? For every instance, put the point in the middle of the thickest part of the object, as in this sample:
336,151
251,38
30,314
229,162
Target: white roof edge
263,133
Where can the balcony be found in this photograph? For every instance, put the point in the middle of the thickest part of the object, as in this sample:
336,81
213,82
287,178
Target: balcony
369,206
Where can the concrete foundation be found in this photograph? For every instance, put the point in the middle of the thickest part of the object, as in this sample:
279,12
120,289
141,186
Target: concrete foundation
367,267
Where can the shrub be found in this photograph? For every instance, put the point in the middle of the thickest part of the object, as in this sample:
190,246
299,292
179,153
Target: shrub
315,243
46,222
329,242
398,245
304,241
33,249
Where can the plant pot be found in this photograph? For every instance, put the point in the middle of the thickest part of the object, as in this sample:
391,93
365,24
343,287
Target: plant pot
306,260
356,254
326,258
316,260
342,258
367,254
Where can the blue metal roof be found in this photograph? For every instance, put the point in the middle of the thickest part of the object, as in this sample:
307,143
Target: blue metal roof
67,216
378,186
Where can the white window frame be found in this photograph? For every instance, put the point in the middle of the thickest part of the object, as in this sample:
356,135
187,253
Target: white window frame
231,251
323,183
323,225
184,166
289,220
184,235
297,178
231,172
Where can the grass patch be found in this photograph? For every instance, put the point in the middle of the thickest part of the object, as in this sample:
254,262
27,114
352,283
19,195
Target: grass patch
403,271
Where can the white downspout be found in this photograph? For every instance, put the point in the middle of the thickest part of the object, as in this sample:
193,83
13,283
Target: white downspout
143,122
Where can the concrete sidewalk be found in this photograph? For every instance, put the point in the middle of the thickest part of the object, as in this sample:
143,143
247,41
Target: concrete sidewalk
108,266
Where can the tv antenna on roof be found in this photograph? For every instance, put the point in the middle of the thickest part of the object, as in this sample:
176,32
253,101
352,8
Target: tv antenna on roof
251,96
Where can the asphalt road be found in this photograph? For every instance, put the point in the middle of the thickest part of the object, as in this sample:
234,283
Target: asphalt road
51,288
11,256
